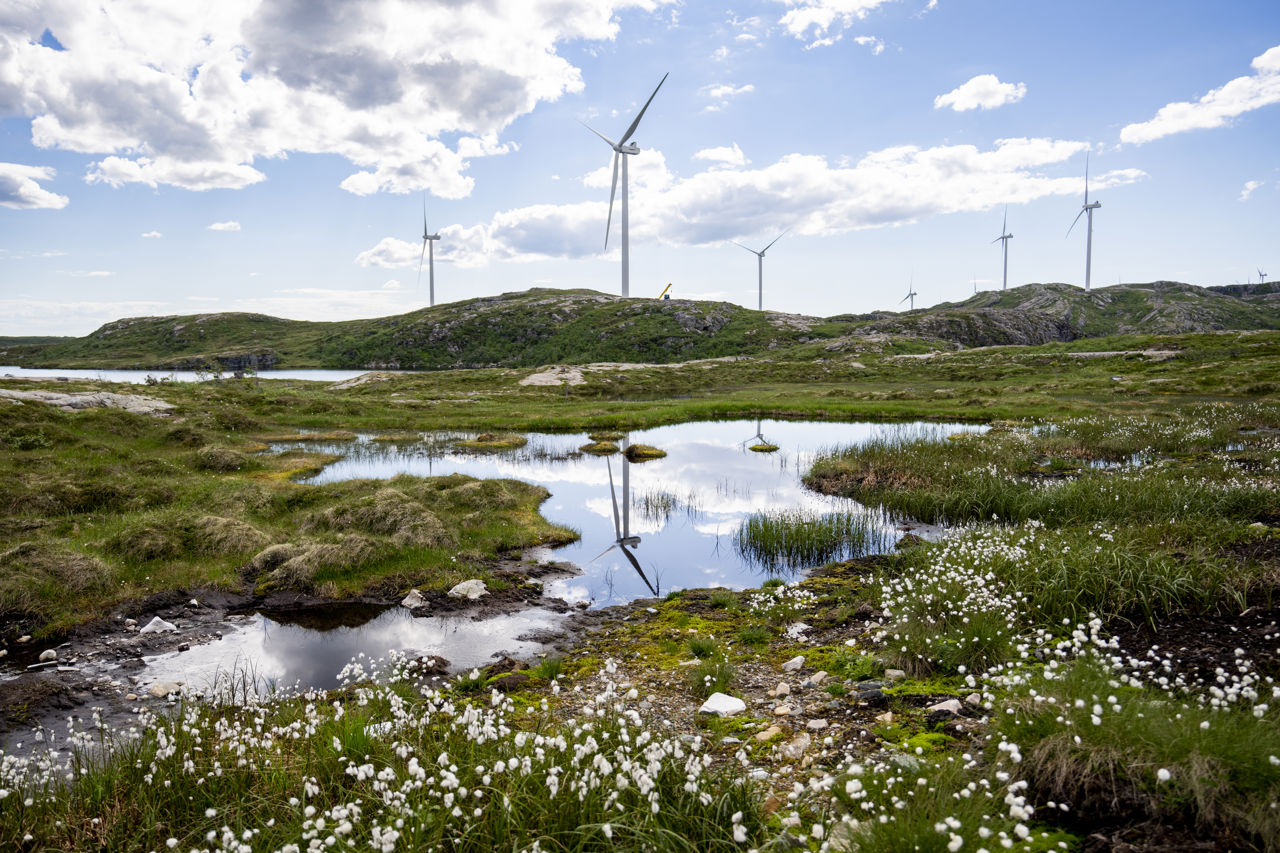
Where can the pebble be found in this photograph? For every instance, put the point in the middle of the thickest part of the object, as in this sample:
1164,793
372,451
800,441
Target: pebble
783,689
894,674
184,647
131,623
730,740
48,655
722,705
131,697
973,699
158,625
886,717
161,689
469,589
25,638
818,677
816,725
795,748
783,711
759,773
414,599
794,664
768,733
948,706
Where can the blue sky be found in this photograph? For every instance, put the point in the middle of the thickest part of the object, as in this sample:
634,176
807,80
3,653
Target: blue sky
272,155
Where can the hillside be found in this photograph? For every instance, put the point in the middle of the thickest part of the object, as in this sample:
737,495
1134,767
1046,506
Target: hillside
543,326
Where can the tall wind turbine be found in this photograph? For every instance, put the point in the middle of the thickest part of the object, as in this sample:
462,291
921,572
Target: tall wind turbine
760,267
622,538
911,294
620,150
1089,209
1004,239
1262,277
429,251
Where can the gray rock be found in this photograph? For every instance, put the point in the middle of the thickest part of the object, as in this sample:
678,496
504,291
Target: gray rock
794,664
414,600
973,699
816,725
158,626
469,589
48,655
794,749
722,705
894,674
950,707
161,689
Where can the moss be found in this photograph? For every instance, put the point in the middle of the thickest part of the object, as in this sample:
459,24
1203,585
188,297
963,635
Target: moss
490,441
600,448
609,436
642,453
763,448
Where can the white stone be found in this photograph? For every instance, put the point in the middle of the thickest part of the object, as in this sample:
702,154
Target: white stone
722,705
782,711
794,664
894,674
886,717
794,749
818,677
157,626
768,733
470,590
783,689
816,725
161,689
973,699
48,655
414,599
951,706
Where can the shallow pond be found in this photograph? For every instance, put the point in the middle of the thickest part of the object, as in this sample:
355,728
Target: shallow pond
652,527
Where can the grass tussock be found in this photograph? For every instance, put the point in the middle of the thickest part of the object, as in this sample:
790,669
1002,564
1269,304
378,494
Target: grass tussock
785,541
643,452
389,512
220,460
493,441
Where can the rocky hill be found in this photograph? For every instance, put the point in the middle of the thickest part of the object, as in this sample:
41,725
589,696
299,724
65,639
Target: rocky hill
543,326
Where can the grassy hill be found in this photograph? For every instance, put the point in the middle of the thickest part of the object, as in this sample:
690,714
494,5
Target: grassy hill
543,326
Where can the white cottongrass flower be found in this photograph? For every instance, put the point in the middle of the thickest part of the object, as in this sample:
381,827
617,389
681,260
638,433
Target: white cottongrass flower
1163,775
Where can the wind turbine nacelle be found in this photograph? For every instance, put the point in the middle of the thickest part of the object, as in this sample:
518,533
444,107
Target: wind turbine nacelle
629,148
630,541
1093,206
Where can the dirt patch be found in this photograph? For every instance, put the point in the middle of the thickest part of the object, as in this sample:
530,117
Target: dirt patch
1197,645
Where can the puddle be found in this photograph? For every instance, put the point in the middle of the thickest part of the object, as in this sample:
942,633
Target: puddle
308,648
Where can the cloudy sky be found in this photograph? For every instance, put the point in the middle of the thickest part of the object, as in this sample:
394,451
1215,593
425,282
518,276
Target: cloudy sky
273,155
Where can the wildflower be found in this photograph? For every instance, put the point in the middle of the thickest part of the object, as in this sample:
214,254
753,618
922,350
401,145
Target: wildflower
1163,775
607,830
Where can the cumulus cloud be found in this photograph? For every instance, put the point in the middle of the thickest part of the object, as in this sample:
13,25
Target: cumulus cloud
876,44
153,235
407,93
729,156
316,303
1247,190
721,93
230,225
19,188
982,92
819,19
893,186
1218,107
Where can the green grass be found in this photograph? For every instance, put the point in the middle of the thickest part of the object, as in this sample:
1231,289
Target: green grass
784,541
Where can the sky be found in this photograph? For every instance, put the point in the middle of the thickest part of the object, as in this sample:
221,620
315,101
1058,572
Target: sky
274,156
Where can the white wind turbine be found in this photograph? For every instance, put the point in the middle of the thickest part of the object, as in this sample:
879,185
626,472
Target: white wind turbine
1003,239
428,246
1089,209
622,538
911,294
1262,277
621,148
760,267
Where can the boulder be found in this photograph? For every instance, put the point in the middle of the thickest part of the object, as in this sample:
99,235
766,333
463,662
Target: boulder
48,655
162,689
470,590
158,626
722,705
414,600
794,664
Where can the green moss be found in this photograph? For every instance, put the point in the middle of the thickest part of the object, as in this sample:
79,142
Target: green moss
642,453
490,441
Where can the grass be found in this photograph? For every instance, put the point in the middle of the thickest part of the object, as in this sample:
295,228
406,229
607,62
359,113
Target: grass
787,540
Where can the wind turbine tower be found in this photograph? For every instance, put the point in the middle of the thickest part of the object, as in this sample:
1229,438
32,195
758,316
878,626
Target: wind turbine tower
760,267
429,251
621,150
1089,209
1004,239
1262,277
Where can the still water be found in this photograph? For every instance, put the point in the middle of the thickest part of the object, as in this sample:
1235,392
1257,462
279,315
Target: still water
675,528
139,377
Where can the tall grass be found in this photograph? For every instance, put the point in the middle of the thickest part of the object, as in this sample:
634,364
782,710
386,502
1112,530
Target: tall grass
788,540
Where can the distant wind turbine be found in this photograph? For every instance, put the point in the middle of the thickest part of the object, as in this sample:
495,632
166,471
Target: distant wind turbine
621,148
1089,209
911,294
760,267
1003,239
429,251
1262,277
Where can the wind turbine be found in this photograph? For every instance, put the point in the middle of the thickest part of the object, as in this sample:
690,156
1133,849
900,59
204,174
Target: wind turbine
1262,277
621,148
911,294
1089,209
1003,239
428,245
623,540
760,267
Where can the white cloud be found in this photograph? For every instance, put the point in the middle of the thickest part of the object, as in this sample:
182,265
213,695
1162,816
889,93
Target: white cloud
893,186
230,225
62,317
824,42
721,93
730,156
1218,107
876,44
720,54
982,92
19,190
1249,187
202,298
823,17
153,235
390,253
88,273
315,303
405,92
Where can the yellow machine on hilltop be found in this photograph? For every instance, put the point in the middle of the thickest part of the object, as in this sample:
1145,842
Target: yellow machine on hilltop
664,294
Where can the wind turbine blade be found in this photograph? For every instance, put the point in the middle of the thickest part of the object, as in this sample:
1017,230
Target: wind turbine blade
425,229
631,558
1074,221
423,255
640,115
748,248
775,239
1086,178
905,298
602,553
617,522
997,240
612,190
612,144
1004,223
